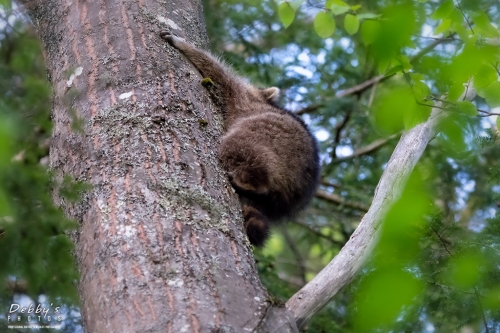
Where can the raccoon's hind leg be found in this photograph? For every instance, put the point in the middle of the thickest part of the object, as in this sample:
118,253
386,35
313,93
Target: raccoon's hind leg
256,223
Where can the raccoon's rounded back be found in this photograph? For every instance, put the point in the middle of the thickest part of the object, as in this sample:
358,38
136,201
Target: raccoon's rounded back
291,157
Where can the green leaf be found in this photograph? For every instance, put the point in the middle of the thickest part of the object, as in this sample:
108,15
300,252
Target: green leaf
6,4
384,66
385,293
5,207
444,26
492,94
370,31
351,24
484,26
417,77
338,10
421,90
397,29
355,7
453,135
405,62
444,10
324,24
394,70
465,269
415,116
467,63
337,7
485,76
336,2
7,135
498,123
467,107
458,25
286,14
456,91
395,109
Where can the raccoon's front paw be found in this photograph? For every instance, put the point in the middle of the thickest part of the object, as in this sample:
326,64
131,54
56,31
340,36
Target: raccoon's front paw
167,35
171,39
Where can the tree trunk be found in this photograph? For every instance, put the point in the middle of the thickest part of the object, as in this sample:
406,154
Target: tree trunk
161,246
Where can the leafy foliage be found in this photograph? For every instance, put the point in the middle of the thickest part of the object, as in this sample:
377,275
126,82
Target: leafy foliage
434,268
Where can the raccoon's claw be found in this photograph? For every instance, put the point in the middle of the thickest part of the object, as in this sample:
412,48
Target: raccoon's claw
172,39
166,35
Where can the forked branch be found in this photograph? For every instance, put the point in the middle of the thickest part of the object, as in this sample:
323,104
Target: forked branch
344,267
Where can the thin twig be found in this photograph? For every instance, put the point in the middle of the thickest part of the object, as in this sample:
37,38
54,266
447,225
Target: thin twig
444,39
485,113
482,311
443,241
485,245
465,17
339,128
309,109
495,66
334,198
297,255
315,5
372,95
326,183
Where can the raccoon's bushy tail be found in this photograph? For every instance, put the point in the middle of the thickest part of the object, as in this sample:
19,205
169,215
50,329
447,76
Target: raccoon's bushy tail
256,223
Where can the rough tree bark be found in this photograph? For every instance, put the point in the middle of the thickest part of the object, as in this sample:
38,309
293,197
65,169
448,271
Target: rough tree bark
161,247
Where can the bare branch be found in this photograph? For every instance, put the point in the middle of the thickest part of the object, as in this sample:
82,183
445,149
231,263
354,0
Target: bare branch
326,183
309,109
343,268
17,287
367,149
487,113
368,83
340,201
492,41
431,47
361,87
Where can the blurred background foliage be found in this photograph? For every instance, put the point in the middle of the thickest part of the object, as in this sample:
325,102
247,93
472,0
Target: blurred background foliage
37,265
437,266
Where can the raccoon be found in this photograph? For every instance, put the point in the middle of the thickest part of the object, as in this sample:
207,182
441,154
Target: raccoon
270,156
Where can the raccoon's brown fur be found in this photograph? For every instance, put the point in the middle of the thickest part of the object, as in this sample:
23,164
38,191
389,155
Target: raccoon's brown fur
270,156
